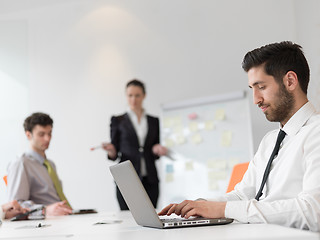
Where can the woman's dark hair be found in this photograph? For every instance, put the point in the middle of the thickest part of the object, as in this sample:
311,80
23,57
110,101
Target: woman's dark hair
37,118
137,83
278,59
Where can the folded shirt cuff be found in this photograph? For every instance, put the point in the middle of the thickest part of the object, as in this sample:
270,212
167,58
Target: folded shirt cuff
237,210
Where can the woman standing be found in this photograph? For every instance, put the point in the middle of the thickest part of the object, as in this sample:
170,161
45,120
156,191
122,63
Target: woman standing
135,137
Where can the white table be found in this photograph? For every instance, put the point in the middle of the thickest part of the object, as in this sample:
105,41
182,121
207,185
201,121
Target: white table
82,227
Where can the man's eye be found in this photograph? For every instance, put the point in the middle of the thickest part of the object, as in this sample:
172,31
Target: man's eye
261,87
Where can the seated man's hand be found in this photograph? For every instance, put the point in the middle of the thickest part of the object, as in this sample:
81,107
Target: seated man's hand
201,208
58,209
12,209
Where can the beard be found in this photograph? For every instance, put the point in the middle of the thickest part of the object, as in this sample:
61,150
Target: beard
282,106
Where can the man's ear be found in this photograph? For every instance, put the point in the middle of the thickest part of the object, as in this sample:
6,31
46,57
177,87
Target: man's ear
290,80
29,135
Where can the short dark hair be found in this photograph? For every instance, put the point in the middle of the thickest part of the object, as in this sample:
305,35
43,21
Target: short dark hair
37,118
278,59
137,83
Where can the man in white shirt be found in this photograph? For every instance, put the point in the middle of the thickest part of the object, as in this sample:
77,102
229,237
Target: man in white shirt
32,179
290,194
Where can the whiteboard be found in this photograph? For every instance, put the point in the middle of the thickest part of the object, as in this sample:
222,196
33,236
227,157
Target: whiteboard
206,137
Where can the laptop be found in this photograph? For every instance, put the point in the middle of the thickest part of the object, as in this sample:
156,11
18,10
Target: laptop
141,206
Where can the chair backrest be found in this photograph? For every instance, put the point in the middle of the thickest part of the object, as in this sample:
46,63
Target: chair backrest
5,179
237,174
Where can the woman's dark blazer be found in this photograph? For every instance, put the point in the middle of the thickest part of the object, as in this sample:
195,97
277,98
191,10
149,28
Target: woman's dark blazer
125,140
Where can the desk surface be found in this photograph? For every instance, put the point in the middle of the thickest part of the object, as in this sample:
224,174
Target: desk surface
84,227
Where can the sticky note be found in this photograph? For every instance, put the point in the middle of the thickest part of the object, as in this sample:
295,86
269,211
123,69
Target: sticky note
167,122
217,175
220,115
217,164
178,129
180,139
193,126
176,120
209,125
226,138
213,185
211,163
168,142
193,116
169,168
189,166
196,138
212,175
221,175
169,177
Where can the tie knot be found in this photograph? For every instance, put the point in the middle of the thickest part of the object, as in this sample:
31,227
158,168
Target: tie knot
46,163
281,135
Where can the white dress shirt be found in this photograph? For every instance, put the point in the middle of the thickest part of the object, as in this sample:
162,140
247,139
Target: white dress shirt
141,129
291,196
29,182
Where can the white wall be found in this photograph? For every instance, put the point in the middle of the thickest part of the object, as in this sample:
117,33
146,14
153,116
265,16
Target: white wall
13,92
308,26
81,53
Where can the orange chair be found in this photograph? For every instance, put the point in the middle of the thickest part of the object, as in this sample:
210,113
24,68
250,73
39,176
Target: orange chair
5,179
237,174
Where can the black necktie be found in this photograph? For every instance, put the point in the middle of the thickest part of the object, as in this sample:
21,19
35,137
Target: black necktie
275,151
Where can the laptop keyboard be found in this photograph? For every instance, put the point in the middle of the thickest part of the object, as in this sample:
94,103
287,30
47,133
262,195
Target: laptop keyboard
166,220
179,219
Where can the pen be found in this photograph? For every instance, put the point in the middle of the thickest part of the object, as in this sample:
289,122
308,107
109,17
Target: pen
96,147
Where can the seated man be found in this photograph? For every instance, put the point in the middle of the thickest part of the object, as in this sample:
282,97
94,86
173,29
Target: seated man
32,179
282,183
11,209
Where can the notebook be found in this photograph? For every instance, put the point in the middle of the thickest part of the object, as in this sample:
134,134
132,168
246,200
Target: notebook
141,206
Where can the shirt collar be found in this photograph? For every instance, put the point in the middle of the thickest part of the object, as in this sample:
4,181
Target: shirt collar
36,156
133,115
297,121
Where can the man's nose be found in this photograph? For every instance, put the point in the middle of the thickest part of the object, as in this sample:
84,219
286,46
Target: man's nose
257,98
47,137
